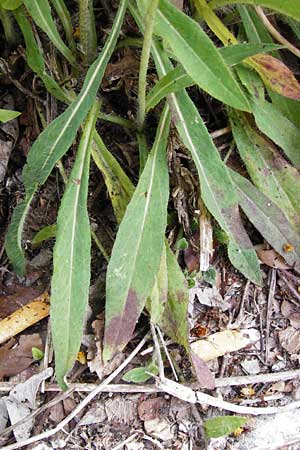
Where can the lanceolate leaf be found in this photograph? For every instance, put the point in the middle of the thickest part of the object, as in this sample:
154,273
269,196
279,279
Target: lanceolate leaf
279,128
40,11
177,78
174,321
217,190
34,57
269,171
256,32
54,142
138,247
290,8
119,186
269,220
198,55
71,259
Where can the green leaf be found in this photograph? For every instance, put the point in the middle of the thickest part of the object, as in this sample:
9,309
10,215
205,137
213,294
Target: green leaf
6,115
269,171
159,292
138,247
257,32
119,186
10,4
40,11
37,354
217,190
140,374
175,80
234,54
223,425
279,128
44,234
290,8
198,55
55,140
269,220
174,321
71,259
34,57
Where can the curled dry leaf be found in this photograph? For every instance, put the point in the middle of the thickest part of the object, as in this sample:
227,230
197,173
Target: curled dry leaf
24,317
224,342
272,259
276,75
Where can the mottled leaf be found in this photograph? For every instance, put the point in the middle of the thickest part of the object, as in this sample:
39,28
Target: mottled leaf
290,8
138,247
159,294
197,54
276,75
269,171
223,425
269,220
54,142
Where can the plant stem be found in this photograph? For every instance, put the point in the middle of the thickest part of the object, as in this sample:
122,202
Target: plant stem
88,34
8,27
149,25
275,33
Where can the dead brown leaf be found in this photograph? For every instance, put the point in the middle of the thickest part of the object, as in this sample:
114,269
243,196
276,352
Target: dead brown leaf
272,259
152,408
290,340
15,359
292,313
21,296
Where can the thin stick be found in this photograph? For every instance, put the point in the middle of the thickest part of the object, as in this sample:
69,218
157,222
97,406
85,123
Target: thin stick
269,309
149,25
160,363
167,353
187,394
129,439
275,33
81,405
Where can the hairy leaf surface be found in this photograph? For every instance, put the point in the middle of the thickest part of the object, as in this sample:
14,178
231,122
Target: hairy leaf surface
269,220
272,122
269,171
138,247
198,55
55,140
71,259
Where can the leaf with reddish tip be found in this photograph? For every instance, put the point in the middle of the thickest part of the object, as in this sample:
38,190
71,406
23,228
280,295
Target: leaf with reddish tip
138,247
276,75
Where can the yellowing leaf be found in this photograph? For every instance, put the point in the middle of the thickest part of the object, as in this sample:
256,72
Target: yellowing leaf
24,317
276,75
